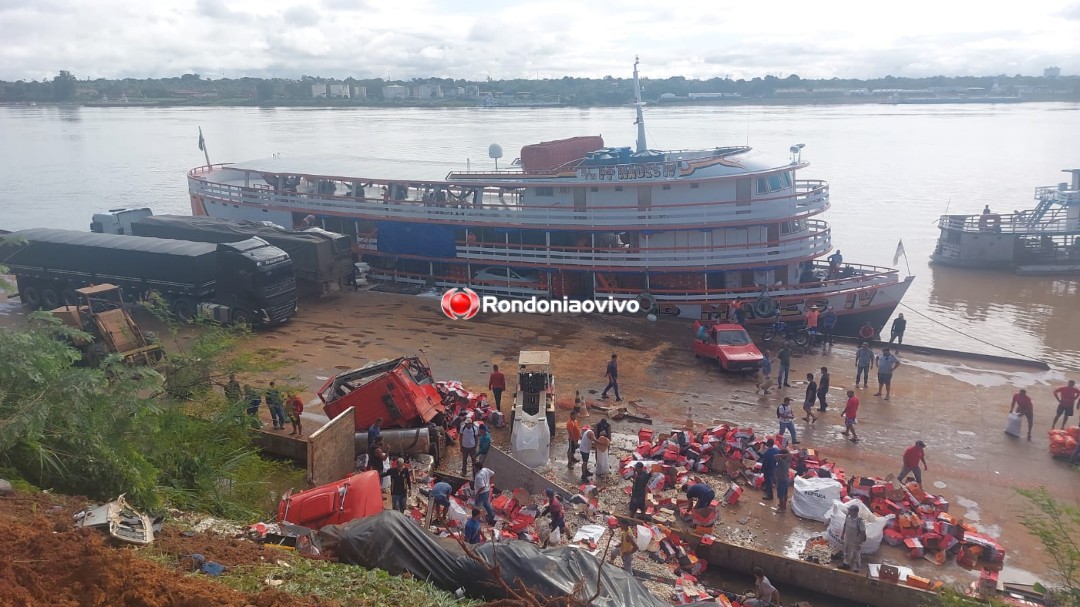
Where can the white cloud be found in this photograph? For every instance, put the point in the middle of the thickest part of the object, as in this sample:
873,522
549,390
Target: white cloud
526,38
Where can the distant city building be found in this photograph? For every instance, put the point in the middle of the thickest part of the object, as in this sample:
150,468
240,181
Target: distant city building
395,91
472,91
318,90
338,91
426,91
359,92
1052,72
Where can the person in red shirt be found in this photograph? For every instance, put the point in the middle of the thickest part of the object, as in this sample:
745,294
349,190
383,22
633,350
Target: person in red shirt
1021,402
1066,397
912,456
573,435
497,384
296,409
850,412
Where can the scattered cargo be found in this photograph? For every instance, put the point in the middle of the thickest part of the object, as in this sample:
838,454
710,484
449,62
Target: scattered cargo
247,282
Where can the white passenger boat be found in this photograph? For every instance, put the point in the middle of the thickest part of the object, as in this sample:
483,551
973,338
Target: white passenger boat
685,232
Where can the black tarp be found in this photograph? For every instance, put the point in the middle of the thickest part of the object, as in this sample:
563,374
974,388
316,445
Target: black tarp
393,542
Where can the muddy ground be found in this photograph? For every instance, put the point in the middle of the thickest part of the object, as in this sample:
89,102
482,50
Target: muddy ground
957,406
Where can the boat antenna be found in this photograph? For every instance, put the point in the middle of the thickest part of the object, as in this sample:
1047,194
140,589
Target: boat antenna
638,103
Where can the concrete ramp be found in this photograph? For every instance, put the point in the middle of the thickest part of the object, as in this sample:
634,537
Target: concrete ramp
512,474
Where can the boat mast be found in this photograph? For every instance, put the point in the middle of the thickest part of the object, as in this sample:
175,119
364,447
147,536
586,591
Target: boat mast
640,121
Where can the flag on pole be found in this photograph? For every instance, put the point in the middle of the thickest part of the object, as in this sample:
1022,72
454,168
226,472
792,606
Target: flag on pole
202,142
899,252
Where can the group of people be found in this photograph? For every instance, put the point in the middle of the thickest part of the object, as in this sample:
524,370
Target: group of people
581,442
281,405
1066,397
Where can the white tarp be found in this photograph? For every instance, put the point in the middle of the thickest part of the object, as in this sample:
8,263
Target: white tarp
875,525
814,497
530,439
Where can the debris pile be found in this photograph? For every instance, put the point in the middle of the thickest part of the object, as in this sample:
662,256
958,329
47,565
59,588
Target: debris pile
1063,442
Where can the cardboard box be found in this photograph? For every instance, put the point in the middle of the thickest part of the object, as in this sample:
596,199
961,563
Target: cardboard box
893,537
918,582
914,547
889,573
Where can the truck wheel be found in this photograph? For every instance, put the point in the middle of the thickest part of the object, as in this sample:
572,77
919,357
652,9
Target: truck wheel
241,317
70,297
30,296
720,363
50,298
184,309
95,354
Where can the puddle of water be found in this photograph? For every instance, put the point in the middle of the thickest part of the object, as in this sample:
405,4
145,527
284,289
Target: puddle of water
964,456
985,378
965,432
940,485
796,541
321,378
1014,575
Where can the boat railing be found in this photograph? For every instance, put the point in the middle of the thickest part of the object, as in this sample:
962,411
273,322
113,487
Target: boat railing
1055,194
816,242
1018,222
490,287
875,276
811,197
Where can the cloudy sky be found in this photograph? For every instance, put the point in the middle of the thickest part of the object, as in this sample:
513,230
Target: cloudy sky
476,39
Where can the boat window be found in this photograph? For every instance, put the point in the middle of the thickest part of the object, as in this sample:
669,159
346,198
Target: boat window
594,189
618,188
564,190
545,191
785,228
762,185
694,186
785,179
667,187
774,183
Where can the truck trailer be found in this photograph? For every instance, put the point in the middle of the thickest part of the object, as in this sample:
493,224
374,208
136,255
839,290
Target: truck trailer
247,282
322,260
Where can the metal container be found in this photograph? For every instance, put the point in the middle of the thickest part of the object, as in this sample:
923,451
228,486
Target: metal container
409,441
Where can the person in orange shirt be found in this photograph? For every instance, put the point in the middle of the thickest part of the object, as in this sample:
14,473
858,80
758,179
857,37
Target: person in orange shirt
573,436
296,409
812,316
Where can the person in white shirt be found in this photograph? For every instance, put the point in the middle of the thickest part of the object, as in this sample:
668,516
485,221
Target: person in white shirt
482,495
584,448
786,416
467,435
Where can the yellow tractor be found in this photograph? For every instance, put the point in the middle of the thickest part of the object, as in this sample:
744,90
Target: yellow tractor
101,313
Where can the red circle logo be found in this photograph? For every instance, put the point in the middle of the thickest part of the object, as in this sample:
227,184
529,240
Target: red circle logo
460,303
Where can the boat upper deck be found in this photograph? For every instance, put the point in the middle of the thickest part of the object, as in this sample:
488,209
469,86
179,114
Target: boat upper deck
1058,212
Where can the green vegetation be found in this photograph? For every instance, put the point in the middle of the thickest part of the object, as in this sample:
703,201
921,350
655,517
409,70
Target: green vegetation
1057,526
119,429
192,89
351,585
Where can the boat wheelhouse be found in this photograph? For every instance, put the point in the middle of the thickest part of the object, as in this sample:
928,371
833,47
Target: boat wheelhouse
686,232
1042,240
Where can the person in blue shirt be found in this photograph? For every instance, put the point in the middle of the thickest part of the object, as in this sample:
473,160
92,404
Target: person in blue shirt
768,468
483,445
827,323
472,528
440,496
374,432
700,495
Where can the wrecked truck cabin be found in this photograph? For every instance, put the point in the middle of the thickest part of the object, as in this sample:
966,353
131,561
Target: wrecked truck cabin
400,391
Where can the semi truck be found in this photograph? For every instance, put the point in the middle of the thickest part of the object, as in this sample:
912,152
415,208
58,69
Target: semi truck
246,282
322,260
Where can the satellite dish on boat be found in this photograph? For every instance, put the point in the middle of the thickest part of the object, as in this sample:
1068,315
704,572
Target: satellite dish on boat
495,151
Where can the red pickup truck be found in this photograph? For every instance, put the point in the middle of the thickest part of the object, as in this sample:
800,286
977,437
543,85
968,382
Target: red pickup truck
728,344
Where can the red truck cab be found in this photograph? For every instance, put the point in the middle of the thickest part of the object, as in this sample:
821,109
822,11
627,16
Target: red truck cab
728,344
334,503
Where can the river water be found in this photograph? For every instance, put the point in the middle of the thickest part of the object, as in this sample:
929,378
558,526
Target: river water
892,169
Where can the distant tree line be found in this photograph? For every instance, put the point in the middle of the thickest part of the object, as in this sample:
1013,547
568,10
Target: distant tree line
193,89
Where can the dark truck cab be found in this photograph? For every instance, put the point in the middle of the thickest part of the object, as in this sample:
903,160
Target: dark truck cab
247,282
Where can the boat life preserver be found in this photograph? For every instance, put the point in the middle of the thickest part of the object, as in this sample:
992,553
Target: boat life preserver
765,306
647,302
989,222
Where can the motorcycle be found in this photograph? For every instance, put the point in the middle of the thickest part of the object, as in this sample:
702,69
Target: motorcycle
799,334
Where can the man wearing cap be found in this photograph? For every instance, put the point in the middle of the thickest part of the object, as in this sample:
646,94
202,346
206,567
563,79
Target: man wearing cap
585,446
812,317
468,434
400,484
638,491
440,497
556,510
483,444
912,456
